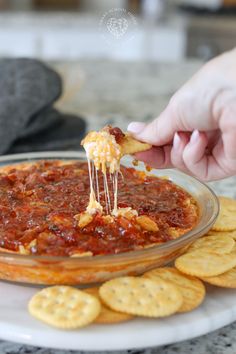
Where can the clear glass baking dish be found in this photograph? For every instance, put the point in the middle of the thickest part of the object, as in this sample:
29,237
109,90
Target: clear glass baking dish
93,269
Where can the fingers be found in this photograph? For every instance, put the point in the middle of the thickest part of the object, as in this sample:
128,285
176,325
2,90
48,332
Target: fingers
194,154
228,127
160,131
190,154
158,157
187,154
179,143
196,160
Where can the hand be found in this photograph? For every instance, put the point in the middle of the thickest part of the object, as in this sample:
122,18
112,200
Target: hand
196,133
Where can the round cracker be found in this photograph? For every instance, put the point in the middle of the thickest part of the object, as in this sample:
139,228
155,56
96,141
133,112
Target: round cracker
225,280
141,296
230,203
203,263
216,243
226,220
64,307
222,233
214,233
230,234
107,315
191,288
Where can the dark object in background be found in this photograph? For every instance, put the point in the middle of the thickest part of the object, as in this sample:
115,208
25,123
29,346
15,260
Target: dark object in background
64,134
28,121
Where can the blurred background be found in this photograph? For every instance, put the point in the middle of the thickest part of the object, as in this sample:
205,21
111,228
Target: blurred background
119,61
167,30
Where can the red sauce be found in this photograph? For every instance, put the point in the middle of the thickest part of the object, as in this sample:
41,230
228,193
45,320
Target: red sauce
116,132
41,202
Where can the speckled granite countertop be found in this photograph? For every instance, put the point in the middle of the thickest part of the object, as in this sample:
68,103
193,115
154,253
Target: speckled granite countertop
117,93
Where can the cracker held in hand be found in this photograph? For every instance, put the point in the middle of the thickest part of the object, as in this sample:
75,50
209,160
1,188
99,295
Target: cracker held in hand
131,145
203,263
219,244
64,307
107,315
226,220
225,280
191,288
108,145
141,297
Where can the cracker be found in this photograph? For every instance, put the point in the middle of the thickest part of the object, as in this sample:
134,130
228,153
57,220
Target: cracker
64,307
214,233
230,203
108,315
216,243
226,220
131,146
191,288
231,234
203,263
223,233
142,297
225,280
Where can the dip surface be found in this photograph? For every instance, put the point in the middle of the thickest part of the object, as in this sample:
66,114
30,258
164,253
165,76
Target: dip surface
39,203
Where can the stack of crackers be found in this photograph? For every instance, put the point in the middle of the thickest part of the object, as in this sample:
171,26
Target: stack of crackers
158,293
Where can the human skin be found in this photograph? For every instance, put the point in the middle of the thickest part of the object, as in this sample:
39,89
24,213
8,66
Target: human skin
196,132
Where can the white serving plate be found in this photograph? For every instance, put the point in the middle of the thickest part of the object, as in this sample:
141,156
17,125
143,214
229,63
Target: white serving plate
218,310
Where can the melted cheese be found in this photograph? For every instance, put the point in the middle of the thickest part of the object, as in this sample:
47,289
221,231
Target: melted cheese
128,212
93,206
104,153
103,150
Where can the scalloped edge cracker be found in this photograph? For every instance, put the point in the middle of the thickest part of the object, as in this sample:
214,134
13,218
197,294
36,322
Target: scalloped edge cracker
225,280
191,288
203,263
64,307
141,296
130,145
107,315
226,220
215,243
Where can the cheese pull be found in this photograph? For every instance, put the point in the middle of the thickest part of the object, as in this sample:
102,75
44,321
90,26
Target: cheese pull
104,150
106,147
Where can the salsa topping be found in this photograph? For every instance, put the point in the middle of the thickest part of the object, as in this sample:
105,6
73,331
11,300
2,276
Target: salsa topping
43,211
116,132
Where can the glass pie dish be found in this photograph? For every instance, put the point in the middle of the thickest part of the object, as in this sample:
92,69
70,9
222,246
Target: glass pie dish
38,269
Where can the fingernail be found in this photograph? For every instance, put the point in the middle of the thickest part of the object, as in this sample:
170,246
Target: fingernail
136,127
194,137
176,141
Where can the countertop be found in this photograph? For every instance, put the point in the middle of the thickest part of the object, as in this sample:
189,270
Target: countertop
117,93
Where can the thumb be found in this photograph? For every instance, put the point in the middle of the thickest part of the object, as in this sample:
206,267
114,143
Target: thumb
158,132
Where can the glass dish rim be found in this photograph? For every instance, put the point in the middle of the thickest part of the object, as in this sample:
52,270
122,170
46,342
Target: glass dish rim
27,157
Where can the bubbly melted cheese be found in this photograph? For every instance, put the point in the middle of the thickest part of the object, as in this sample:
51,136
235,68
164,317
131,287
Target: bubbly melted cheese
103,150
93,206
126,212
105,153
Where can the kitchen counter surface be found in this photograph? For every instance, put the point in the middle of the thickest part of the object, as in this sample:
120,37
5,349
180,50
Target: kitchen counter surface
117,93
